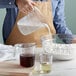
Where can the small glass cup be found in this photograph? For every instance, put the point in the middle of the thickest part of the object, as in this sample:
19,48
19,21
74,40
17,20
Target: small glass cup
46,57
27,54
45,63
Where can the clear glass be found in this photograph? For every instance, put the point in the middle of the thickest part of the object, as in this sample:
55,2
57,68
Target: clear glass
60,45
31,22
27,54
45,63
64,47
47,43
45,59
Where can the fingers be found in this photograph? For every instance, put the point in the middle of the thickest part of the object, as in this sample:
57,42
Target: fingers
33,3
23,10
25,5
28,7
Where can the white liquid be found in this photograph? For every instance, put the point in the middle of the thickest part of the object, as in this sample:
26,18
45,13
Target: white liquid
25,30
31,22
48,28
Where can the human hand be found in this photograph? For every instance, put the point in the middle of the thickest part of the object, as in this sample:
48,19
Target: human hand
25,6
74,40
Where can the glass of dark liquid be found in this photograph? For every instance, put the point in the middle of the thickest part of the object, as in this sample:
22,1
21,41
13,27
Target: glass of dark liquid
27,55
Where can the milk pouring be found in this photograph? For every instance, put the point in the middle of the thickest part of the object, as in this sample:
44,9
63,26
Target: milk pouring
32,22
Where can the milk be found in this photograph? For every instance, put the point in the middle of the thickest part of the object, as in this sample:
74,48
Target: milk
25,30
48,28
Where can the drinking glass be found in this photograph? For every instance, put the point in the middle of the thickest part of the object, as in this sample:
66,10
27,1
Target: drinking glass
48,43
27,54
46,57
45,63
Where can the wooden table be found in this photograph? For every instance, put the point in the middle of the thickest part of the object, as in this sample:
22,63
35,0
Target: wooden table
12,68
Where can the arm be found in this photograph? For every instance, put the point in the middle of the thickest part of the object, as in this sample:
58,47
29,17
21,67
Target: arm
59,21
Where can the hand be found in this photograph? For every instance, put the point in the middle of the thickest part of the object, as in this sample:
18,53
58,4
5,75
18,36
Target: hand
25,6
74,40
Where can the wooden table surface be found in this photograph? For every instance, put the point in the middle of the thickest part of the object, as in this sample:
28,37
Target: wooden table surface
14,69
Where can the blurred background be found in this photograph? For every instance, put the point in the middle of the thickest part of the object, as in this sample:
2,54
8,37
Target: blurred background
70,13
